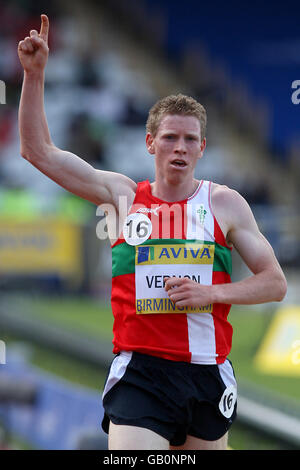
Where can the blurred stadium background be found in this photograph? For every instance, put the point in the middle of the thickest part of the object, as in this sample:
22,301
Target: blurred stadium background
109,62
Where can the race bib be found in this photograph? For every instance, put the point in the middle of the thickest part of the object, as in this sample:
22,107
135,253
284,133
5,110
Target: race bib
157,261
227,402
137,229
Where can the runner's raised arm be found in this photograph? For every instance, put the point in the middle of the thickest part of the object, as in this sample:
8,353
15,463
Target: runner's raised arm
65,168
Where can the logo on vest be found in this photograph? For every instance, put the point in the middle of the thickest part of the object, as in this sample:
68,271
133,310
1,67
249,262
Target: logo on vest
185,253
147,210
202,213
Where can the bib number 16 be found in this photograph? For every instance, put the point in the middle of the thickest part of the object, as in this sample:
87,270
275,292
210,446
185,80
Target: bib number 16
137,229
227,402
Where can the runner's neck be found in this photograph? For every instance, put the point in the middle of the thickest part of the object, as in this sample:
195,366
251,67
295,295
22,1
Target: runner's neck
172,193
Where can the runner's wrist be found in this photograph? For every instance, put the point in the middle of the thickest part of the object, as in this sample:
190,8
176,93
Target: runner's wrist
37,74
216,294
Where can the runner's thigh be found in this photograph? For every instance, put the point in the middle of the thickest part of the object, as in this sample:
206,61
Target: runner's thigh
194,443
122,437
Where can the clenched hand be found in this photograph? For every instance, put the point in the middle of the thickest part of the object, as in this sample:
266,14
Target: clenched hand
33,50
187,293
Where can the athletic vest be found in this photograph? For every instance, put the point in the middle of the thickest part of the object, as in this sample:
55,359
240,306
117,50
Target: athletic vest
164,239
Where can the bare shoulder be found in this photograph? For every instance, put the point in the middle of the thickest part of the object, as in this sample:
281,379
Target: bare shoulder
228,201
119,182
222,194
118,185
231,209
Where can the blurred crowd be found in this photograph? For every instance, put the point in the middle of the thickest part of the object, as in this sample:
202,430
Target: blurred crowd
96,105
90,95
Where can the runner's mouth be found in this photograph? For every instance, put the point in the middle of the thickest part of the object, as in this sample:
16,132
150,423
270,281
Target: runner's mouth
178,163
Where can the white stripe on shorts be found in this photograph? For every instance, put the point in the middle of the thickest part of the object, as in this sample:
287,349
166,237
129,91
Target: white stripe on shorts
227,375
117,370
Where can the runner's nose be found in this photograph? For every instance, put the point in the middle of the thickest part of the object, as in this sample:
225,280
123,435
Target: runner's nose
180,146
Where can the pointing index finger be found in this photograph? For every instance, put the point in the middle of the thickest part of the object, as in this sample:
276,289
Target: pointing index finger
44,28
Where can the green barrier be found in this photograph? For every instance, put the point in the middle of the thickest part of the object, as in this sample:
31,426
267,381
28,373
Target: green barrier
26,206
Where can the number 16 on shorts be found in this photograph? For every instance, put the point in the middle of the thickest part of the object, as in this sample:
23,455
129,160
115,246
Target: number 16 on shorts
227,402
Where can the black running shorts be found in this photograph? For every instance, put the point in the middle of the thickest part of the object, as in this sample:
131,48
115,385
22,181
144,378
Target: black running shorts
173,399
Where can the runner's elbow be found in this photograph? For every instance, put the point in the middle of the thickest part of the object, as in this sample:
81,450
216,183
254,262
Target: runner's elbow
33,155
281,288
25,154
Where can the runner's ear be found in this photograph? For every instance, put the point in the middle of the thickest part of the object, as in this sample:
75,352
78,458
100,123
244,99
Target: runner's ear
150,143
202,148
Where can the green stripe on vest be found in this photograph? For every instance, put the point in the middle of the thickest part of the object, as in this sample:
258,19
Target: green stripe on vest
123,256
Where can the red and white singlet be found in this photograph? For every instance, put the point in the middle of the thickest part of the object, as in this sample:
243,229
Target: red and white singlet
161,239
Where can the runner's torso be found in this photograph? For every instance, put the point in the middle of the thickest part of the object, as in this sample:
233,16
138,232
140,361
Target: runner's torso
163,239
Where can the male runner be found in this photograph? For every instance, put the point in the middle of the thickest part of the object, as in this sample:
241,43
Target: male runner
170,384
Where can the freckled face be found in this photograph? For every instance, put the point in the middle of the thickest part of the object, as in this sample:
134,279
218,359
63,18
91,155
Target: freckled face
177,146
